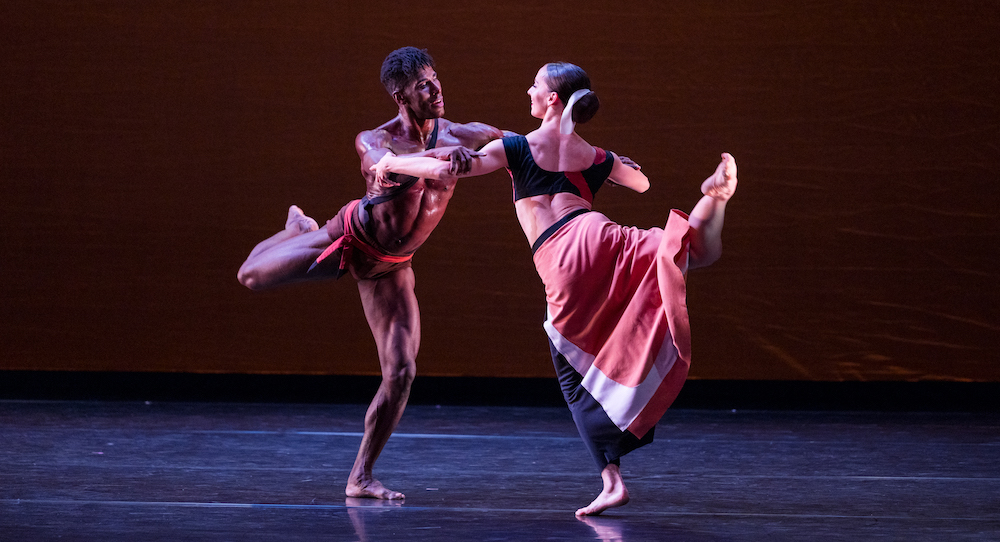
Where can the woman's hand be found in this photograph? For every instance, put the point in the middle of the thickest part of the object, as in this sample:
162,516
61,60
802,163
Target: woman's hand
382,171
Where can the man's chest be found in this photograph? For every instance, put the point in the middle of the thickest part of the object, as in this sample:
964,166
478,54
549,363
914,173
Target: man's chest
444,138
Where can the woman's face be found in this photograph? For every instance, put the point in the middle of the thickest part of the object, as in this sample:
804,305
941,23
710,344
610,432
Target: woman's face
540,94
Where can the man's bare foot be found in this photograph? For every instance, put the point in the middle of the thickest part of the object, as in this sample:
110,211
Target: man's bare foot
722,184
372,489
614,494
298,222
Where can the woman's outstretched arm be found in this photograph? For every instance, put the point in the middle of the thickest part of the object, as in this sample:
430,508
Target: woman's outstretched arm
491,158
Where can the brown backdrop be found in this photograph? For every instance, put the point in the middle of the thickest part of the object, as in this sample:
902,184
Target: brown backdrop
147,146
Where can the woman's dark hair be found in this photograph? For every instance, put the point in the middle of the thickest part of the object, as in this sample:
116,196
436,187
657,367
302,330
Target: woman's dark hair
565,79
402,66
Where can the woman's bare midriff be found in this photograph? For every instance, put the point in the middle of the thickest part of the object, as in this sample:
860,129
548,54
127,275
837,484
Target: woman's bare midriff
537,213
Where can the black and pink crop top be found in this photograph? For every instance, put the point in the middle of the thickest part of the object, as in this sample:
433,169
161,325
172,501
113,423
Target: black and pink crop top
530,180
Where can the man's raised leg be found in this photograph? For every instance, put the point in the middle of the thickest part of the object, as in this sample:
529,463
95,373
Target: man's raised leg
285,256
296,223
391,309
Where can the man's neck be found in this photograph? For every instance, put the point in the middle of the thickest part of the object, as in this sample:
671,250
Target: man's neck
417,129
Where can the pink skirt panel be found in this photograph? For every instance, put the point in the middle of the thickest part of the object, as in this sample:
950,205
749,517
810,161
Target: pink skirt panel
617,311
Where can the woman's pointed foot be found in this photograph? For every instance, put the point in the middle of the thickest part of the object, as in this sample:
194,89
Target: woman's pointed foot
722,184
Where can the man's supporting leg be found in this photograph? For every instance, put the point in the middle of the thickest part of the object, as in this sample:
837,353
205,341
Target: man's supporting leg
391,309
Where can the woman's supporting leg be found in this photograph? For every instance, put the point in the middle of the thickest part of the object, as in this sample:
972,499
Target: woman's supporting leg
615,493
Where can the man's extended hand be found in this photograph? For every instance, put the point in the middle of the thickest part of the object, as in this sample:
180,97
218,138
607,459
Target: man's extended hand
459,156
630,163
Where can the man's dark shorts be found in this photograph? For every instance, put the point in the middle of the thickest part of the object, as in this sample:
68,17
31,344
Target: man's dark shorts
361,265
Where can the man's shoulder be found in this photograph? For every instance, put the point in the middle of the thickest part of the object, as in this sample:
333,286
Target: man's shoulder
379,137
470,134
465,127
372,139
386,129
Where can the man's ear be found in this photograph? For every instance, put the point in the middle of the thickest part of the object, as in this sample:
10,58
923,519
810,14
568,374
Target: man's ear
399,98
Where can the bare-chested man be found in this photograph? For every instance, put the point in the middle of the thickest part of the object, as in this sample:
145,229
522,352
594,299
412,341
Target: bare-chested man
374,239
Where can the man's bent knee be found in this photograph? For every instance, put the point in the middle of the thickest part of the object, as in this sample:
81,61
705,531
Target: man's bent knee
248,278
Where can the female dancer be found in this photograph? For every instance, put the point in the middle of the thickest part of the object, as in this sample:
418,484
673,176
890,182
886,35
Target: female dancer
617,316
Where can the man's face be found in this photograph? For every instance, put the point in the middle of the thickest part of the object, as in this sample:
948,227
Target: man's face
423,95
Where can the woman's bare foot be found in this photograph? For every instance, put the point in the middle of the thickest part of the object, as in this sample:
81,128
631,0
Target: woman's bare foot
298,222
614,494
722,184
372,489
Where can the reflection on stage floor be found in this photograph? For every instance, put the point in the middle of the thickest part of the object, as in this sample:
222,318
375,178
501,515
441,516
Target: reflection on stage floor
220,471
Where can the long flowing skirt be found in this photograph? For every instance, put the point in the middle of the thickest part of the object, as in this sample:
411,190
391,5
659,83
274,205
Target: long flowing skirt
618,325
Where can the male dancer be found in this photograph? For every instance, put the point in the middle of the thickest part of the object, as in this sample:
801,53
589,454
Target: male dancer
374,238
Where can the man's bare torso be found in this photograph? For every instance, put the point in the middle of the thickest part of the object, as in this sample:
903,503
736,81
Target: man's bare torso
403,223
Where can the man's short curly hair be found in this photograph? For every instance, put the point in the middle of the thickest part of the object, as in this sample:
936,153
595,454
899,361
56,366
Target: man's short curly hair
402,66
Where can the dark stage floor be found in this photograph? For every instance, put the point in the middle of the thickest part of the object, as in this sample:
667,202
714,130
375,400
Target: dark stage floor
217,471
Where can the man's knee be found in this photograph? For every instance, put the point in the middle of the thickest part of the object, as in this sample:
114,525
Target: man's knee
248,278
400,374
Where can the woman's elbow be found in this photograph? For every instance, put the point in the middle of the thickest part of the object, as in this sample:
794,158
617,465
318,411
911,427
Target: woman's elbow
639,185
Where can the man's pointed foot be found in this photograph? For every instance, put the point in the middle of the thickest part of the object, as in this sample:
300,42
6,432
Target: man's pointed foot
298,221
